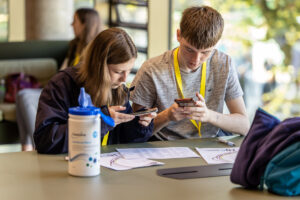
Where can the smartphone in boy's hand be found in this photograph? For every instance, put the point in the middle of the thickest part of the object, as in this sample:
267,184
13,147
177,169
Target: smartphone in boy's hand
145,112
186,102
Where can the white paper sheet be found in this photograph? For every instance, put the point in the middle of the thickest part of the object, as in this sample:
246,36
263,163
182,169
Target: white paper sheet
218,155
158,153
115,161
229,137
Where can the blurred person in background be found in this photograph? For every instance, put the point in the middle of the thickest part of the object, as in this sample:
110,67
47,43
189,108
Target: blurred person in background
86,26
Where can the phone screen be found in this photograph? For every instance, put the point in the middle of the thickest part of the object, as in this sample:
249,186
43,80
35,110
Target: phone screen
187,102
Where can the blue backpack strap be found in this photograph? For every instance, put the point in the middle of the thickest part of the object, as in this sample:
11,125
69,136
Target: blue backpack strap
282,174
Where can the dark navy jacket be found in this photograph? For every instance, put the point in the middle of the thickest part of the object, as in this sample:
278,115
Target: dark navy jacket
51,128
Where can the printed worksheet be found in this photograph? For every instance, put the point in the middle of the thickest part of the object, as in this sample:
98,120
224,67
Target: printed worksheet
116,161
158,153
218,155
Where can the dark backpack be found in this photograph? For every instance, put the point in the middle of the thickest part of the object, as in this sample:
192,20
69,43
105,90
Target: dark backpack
16,82
266,138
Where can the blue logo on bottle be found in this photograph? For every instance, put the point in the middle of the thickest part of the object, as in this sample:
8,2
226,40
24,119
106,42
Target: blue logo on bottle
95,134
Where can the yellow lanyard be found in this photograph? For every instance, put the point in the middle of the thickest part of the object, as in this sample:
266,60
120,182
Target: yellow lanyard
76,59
105,138
179,84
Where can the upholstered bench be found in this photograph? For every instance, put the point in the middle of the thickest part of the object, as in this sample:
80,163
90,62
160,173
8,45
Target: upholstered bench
41,68
30,57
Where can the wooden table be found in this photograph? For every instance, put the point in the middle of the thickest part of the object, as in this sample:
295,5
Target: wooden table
28,175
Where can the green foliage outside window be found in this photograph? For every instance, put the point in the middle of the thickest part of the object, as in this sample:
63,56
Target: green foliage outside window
280,19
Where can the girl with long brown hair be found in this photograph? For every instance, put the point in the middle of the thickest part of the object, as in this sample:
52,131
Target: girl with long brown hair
104,68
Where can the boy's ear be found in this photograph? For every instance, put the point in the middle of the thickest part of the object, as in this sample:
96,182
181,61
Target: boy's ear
178,33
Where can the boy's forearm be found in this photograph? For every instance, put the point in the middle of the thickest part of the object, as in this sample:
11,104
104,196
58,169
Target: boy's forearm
235,123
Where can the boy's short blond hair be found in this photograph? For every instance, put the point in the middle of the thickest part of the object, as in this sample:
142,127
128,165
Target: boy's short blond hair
201,26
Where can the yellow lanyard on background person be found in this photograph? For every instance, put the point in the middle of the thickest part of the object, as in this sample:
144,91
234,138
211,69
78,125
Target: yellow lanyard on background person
76,59
179,84
105,139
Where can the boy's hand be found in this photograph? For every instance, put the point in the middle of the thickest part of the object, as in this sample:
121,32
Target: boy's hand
200,112
176,113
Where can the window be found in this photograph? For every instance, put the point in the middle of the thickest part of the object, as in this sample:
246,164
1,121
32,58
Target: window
83,3
132,16
3,20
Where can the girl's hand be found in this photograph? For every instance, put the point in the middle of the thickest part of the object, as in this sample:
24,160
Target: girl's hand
119,117
147,118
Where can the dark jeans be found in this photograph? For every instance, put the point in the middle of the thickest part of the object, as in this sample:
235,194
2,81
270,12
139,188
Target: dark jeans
221,133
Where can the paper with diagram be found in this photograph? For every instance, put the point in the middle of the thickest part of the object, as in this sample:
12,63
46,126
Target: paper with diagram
218,155
116,161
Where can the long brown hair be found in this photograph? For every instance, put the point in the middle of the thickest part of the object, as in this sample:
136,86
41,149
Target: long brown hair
92,26
111,46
